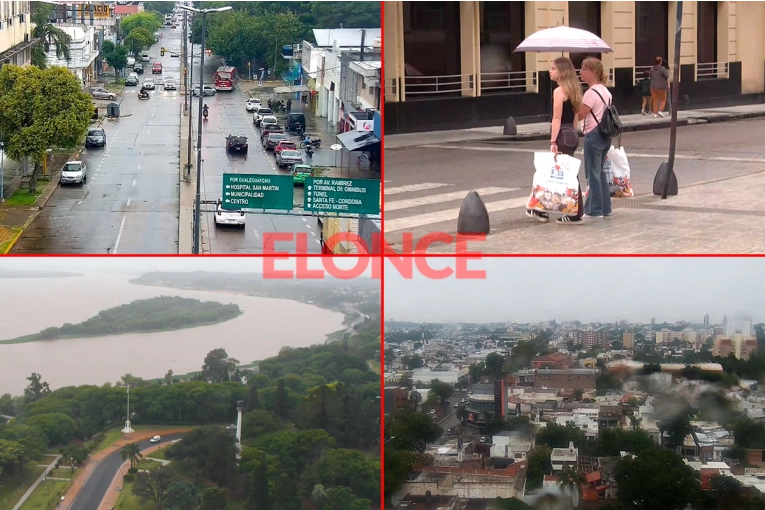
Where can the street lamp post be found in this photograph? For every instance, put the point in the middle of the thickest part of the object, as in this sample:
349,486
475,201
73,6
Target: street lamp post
128,429
197,205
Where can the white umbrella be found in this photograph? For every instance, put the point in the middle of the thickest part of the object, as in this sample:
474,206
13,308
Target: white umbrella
564,39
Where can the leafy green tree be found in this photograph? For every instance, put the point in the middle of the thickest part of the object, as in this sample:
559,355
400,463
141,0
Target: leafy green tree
673,417
148,21
570,480
257,498
131,452
441,390
183,496
221,457
213,499
40,109
57,427
139,39
258,423
342,498
558,436
657,480
218,366
411,431
153,485
494,363
539,465
36,389
107,47
348,468
281,404
11,456
334,14
117,59
285,494
74,455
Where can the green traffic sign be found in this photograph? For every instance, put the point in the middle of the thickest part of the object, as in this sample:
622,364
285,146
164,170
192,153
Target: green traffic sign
254,191
338,195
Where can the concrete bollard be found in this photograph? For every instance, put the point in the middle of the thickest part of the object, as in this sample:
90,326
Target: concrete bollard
510,128
473,218
662,174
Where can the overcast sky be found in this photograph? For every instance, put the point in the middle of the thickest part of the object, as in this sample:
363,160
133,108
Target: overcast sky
140,265
585,289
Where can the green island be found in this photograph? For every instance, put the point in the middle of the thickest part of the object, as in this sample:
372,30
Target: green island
164,313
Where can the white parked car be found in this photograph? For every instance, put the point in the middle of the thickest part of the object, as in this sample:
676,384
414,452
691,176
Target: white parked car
268,119
262,112
228,218
170,83
74,172
148,83
155,439
252,103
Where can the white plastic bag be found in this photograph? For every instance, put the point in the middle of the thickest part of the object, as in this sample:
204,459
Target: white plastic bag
556,184
618,173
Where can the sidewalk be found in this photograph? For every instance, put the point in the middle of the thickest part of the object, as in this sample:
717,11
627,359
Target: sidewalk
40,479
541,130
113,493
92,463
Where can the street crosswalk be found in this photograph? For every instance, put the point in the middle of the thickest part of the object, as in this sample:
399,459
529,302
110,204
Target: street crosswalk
435,207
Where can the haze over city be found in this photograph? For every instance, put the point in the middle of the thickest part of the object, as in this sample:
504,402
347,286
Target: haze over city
584,289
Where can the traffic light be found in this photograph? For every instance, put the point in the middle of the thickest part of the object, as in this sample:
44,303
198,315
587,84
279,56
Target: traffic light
162,52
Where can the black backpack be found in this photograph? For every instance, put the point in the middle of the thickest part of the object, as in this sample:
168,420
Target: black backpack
609,124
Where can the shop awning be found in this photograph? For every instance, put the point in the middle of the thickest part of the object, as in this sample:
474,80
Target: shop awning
355,140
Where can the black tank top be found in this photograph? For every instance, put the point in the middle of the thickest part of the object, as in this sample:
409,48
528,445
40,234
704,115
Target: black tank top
568,113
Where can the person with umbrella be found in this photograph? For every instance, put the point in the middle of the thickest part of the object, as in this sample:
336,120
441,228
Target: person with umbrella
596,145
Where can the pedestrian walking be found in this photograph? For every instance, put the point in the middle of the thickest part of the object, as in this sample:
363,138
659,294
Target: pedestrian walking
564,139
289,105
596,145
659,86
645,92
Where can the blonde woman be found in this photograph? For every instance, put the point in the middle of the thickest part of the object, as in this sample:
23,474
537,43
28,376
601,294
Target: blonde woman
596,146
564,139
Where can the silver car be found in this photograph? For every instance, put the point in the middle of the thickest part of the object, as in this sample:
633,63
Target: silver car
207,90
288,157
224,217
170,83
101,93
74,172
148,83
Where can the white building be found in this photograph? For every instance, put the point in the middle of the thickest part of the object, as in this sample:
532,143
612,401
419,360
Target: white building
322,63
511,445
585,419
15,33
83,51
564,457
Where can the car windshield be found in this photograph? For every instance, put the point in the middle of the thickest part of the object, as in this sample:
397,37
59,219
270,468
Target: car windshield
276,136
238,139
290,154
264,111
72,167
148,80
169,79
95,132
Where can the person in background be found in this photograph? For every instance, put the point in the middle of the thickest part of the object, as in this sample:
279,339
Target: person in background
645,91
659,87
564,138
596,146
289,105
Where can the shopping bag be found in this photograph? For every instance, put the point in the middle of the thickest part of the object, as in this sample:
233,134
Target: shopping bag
556,184
619,167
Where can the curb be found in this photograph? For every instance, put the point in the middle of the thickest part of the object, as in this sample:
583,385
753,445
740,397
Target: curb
666,123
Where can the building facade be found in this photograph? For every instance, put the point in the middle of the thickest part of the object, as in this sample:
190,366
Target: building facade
576,378
15,33
591,339
446,57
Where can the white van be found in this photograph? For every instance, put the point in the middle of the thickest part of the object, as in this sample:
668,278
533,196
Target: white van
130,61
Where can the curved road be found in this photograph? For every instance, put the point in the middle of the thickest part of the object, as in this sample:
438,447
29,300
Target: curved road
94,490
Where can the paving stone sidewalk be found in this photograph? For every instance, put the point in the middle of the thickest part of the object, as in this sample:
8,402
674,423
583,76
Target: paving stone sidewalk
541,130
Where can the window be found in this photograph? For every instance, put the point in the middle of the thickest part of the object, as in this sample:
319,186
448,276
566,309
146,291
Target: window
428,16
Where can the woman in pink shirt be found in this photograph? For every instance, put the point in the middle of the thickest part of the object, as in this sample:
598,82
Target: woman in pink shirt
596,146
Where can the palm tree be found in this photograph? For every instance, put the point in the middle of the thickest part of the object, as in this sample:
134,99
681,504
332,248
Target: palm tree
569,480
635,422
131,451
47,34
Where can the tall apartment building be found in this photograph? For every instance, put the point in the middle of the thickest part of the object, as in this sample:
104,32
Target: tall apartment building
591,339
15,33
740,346
628,340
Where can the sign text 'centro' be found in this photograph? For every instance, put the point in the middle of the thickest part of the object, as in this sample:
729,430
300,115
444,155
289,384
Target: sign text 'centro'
338,195
253,191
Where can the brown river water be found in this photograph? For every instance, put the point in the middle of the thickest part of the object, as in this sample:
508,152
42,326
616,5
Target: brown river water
28,305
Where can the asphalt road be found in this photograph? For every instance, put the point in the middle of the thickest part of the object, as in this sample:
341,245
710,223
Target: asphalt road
130,201
425,186
227,115
95,487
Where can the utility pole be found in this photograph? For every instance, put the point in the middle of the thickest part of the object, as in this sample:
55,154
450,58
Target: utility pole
189,92
197,205
185,61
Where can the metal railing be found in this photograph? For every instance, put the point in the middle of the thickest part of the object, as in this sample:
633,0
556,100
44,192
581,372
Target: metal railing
712,70
638,73
434,85
609,77
518,81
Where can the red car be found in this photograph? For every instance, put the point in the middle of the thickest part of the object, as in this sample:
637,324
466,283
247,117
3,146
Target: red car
285,145
156,68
